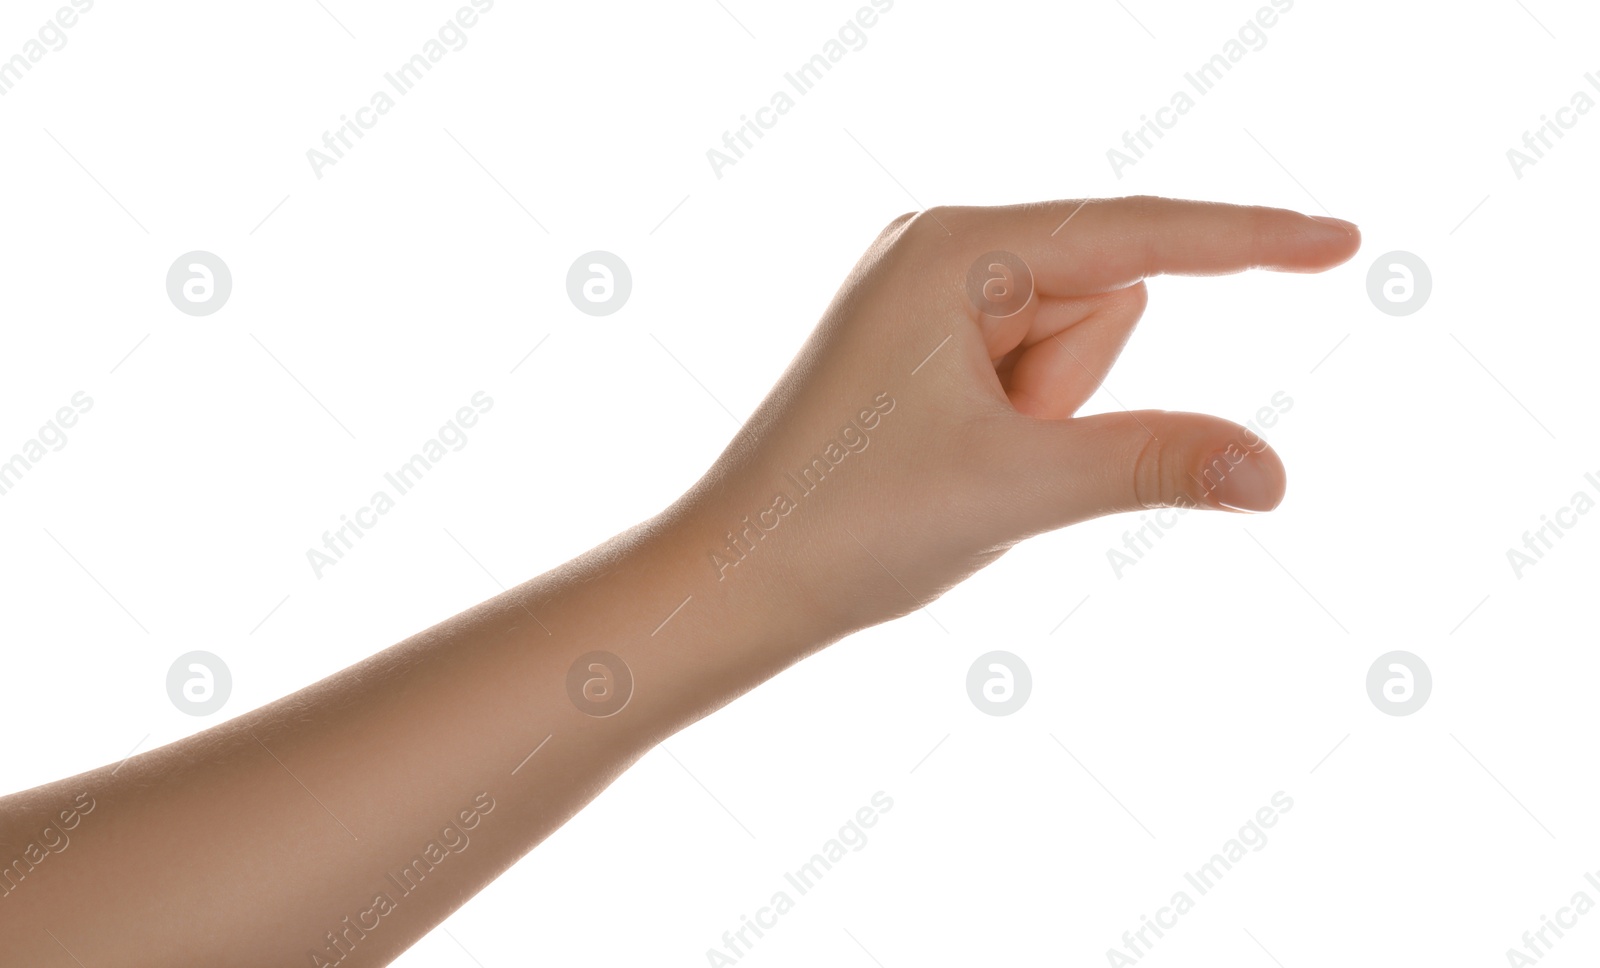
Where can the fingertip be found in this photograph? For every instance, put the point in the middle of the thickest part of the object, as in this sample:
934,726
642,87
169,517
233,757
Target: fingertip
1251,482
1344,237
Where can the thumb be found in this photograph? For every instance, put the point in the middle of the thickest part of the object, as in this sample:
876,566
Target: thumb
1086,467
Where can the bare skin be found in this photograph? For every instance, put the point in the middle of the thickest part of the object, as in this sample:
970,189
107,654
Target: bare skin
269,839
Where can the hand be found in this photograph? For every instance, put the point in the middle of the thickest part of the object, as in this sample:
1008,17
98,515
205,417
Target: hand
916,437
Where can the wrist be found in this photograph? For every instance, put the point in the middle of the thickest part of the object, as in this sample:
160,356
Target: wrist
755,577
680,634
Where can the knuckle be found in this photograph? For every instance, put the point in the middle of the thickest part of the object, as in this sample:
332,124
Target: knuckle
1162,479
1142,205
925,235
1149,474
896,224
930,222
1258,225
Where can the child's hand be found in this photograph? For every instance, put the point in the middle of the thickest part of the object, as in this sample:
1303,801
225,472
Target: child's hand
927,425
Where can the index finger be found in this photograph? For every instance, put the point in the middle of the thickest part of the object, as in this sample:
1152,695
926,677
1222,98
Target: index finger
1082,246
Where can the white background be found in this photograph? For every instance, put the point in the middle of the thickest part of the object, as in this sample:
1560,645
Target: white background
1225,666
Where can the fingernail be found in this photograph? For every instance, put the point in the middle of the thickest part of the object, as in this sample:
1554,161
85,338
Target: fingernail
1247,486
1349,228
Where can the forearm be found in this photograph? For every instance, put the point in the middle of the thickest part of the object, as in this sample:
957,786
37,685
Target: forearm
253,841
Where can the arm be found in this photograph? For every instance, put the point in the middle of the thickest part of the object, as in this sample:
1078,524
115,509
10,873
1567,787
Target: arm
914,439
